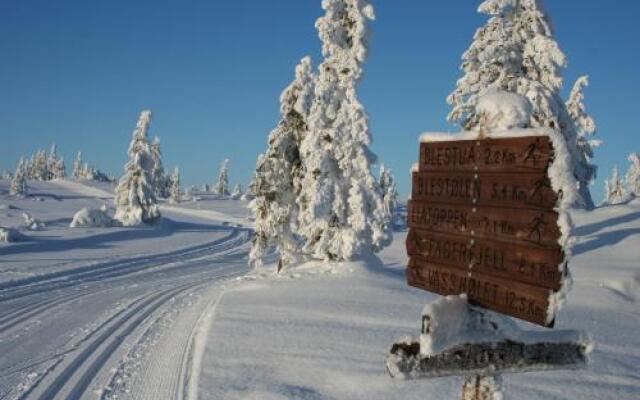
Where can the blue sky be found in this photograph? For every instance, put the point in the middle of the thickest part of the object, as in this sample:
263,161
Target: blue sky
78,72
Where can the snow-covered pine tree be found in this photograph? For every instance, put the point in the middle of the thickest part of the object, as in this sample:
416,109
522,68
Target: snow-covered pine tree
56,166
277,178
342,214
52,159
585,128
236,193
632,176
135,194
6,175
516,52
40,166
78,166
222,186
389,191
24,165
59,169
491,62
614,189
157,173
175,195
19,183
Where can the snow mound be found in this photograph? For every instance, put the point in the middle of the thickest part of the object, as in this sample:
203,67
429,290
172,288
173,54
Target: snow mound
429,137
10,235
452,322
503,110
92,218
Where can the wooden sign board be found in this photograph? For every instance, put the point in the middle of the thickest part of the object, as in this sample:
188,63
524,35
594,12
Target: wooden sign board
482,222
535,227
531,154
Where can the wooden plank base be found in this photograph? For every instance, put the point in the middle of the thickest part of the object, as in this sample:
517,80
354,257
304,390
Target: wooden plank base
478,359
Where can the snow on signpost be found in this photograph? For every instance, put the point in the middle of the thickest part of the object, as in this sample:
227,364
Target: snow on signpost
488,228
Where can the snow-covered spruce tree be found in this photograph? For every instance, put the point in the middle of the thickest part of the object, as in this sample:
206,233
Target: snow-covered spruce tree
277,178
135,194
56,166
389,191
157,173
78,166
237,192
222,186
59,169
342,215
28,167
585,128
175,195
19,182
6,175
614,189
52,159
632,177
492,62
516,52
40,166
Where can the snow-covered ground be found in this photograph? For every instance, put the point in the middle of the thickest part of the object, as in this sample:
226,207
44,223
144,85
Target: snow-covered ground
108,312
168,312
325,335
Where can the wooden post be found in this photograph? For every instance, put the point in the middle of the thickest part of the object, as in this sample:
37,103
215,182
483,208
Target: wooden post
480,387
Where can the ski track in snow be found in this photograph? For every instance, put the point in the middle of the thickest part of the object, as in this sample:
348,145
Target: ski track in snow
122,328
74,370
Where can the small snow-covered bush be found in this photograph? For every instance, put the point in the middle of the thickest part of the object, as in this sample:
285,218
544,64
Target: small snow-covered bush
32,224
92,218
9,235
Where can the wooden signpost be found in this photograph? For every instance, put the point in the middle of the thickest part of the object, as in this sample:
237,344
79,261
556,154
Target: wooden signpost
483,223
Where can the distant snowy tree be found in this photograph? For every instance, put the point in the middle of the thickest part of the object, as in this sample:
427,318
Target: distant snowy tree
614,189
6,175
236,193
585,128
277,178
632,176
516,52
19,183
52,159
157,173
92,174
59,169
342,214
55,164
24,166
175,195
222,186
389,190
78,167
135,194
40,168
